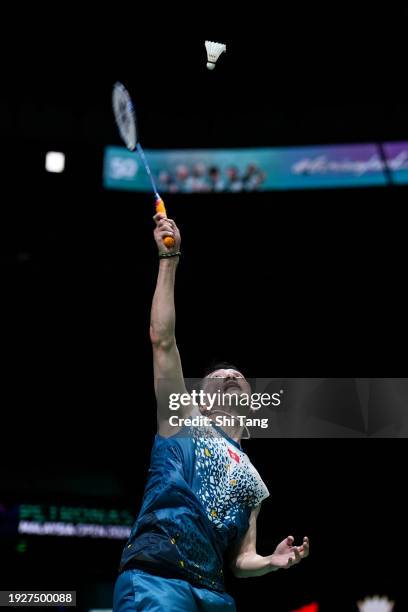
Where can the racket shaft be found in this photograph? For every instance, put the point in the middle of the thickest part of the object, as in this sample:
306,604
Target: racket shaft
168,240
146,165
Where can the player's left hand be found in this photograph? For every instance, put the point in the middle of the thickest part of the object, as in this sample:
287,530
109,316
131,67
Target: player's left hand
286,554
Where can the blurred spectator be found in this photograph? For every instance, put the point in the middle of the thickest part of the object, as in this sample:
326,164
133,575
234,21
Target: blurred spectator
253,177
234,181
216,182
167,182
182,177
250,177
197,181
260,178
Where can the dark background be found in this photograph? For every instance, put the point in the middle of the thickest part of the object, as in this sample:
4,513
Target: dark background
283,284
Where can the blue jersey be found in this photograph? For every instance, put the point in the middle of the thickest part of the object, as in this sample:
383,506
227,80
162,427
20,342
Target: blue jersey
198,498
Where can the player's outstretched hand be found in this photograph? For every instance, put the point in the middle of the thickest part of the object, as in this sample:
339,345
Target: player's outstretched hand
166,227
286,554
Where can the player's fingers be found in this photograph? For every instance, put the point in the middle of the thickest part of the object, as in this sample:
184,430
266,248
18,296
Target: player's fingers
166,230
290,540
164,234
173,224
158,216
305,547
164,220
164,223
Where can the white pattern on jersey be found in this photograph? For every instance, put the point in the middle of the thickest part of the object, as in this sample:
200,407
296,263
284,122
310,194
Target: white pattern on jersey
227,480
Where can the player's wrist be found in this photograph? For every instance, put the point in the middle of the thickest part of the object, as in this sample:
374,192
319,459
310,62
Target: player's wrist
272,564
169,261
172,255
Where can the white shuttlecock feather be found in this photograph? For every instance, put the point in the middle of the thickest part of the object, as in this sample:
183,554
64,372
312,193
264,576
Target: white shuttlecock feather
214,51
376,604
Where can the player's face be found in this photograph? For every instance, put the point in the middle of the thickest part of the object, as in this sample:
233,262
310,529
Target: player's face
226,381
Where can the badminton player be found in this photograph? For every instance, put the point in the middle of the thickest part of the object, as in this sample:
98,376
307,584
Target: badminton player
203,495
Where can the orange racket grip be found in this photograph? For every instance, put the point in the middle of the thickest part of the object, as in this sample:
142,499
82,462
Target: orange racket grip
168,241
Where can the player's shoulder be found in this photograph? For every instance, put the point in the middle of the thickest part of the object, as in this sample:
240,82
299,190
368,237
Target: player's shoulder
181,440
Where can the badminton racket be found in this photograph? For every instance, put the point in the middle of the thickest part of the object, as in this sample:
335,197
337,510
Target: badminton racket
125,117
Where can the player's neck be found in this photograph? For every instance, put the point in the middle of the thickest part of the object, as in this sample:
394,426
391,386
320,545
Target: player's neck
228,422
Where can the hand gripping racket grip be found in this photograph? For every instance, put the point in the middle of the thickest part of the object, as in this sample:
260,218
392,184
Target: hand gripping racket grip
168,241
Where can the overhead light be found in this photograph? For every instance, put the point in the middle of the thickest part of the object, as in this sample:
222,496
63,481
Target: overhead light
54,161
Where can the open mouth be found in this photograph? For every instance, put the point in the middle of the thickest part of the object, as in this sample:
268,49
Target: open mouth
231,384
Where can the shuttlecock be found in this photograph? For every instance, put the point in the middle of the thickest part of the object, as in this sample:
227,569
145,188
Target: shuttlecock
376,604
214,51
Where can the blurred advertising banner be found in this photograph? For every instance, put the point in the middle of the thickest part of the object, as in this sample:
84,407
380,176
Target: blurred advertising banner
263,169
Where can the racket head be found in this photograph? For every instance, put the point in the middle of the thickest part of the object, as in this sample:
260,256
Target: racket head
125,116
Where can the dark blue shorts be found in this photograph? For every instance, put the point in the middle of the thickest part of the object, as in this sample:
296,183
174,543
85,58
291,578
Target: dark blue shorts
138,591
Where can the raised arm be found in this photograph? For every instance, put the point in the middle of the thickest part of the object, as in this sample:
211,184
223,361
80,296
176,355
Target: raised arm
168,373
246,563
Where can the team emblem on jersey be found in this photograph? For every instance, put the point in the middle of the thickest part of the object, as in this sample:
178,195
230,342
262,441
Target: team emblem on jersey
233,455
